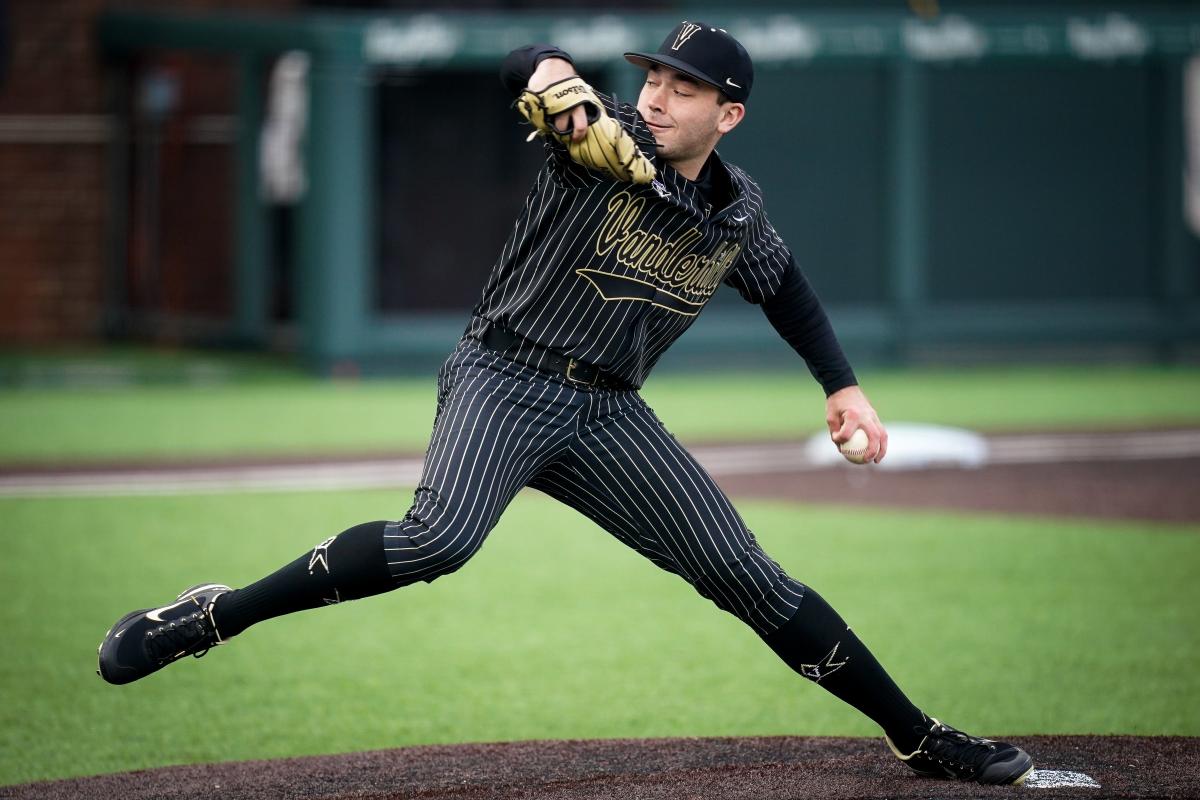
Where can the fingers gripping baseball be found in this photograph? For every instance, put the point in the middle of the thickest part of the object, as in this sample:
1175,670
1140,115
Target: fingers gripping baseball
569,111
847,411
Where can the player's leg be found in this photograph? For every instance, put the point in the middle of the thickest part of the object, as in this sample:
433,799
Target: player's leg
633,478
491,433
496,425
652,495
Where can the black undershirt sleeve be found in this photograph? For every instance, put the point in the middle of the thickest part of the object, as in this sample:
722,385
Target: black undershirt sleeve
796,313
521,63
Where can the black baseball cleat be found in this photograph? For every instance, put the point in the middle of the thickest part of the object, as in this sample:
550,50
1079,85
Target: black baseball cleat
145,641
948,753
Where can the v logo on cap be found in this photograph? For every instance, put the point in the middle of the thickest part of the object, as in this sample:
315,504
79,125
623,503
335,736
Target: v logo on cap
686,31
715,58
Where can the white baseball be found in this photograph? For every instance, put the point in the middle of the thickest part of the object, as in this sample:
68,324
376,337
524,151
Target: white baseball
854,449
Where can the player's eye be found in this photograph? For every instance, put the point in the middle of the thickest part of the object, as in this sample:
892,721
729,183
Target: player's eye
682,94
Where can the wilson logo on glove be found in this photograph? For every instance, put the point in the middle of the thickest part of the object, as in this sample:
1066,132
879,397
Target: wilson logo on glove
584,89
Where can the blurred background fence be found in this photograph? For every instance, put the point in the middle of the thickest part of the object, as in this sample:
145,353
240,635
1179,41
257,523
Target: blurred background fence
959,182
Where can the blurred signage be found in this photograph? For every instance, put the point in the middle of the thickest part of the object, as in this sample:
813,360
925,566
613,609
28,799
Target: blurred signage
434,39
1114,37
778,38
951,37
595,39
411,39
783,38
422,39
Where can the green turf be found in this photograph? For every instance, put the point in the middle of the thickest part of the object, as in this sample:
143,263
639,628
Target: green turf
999,625
118,365
295,416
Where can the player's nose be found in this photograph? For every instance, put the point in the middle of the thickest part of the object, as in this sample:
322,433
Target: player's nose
655,98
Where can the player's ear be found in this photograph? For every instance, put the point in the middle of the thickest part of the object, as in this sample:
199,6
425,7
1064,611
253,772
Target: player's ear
731,115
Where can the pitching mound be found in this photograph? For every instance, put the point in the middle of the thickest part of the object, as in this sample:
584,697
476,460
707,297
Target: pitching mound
752,768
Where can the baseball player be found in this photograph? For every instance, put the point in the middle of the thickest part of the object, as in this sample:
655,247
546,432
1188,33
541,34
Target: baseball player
632,223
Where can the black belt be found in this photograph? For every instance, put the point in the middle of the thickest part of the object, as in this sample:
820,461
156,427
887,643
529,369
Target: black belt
531,354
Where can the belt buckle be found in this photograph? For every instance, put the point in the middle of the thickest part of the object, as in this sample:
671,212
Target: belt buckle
571,364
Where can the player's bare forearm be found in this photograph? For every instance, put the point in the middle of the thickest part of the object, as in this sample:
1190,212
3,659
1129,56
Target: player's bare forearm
847,410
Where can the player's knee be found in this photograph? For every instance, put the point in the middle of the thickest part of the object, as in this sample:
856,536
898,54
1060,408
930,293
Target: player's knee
453,557
736,584
433,552
735,572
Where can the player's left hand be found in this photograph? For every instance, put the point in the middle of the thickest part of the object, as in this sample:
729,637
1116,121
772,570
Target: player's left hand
573,121
600,144
847,410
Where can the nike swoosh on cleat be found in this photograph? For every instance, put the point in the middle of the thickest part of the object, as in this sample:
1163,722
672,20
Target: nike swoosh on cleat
154,615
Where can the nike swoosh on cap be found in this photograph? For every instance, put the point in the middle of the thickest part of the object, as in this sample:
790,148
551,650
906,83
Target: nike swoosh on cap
731,83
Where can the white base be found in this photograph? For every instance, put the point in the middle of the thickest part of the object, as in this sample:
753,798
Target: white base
1058,779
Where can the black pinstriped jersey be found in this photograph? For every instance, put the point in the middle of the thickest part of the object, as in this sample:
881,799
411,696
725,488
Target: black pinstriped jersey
612,273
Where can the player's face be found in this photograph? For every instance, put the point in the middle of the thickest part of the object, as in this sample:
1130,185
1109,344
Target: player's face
685,116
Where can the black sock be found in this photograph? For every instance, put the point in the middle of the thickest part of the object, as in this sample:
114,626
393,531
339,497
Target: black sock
818,644
348,566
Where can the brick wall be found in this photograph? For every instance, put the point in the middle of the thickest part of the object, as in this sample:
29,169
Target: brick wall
54,134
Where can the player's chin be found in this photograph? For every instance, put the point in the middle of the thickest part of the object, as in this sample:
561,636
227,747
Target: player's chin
661,137
664,148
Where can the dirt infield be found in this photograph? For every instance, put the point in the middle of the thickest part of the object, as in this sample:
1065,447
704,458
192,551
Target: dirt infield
1164,491
671,769
1099,475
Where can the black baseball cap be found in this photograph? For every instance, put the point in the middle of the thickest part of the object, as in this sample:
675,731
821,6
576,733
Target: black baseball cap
706,53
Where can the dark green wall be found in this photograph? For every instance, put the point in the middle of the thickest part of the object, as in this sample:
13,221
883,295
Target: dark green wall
1039,179
1040,183
969,180
815,139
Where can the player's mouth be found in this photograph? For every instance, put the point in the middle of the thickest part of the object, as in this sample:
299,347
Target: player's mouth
655,128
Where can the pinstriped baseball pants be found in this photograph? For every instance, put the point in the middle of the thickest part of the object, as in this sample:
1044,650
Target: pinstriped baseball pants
501,426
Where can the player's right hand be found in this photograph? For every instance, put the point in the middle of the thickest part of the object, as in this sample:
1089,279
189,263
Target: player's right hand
847,410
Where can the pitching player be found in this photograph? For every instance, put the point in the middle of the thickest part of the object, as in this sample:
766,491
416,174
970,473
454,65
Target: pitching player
631,225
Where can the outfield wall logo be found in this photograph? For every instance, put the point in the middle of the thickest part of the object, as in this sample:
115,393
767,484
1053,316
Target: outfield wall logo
780,38
424,38
1116,37
951,38
595,40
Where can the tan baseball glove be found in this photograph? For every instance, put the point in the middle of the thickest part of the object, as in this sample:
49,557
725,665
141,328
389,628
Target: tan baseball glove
606,146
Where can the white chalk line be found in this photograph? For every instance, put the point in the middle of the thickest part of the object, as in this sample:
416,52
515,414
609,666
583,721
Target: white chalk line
719,460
